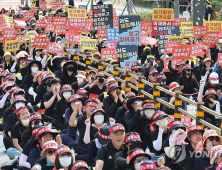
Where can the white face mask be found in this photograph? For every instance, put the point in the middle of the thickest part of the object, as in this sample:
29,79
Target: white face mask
65,161
51,159
59,42
149,112
111,70
25,122
62,64
137,166
19,104
99,119
38,58
35,69
163,122
67,95
80,80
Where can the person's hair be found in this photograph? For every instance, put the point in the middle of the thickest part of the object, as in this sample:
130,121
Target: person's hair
188,82
55,80
58,165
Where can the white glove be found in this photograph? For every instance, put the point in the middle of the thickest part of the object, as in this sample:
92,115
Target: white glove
19,77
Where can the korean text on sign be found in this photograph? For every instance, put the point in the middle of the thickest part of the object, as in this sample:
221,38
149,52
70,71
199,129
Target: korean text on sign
181,52
40,42
162,14
112,34
77,13
12,45
89,44
109,53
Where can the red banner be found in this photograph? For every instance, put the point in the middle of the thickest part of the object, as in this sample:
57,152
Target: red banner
182,52
159,23
111,44
144,40
209,40
102,32
76,24
9,33
144,24
22,38
34,10
54,48
41,42
28,15
47,20
60,5
53,4
115,22
109,53
89,24
19,23
40,23
4,24
90,13
73,36
197,50
114,12
173,64
170,45
177,21
199,30
48,27
60,29
59,20
219,59
166,63
42,5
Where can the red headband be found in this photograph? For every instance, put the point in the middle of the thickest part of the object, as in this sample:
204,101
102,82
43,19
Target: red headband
103,136
174,123
155,116
91,103
112,85
211,78
63,149
160,76
173,85
82,73
115,128
66,86
139,151
195,127
148,166
131,137
45,129
21,111
34,131
215,150
148,104
81,163
209,133
35,116
50,145
135,67
219,166
210,91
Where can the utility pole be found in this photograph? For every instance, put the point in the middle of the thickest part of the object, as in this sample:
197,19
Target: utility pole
176,8
197,8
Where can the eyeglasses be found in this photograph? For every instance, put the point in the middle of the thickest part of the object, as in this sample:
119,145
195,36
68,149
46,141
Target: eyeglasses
138,70
141,159
50,152
216,138
91,75
138,102
154,75
180,128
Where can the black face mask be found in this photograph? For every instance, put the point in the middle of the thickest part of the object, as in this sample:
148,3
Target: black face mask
70,68
208,100
101,80
48,83
163,83
36,122
147,52
85,99
187,72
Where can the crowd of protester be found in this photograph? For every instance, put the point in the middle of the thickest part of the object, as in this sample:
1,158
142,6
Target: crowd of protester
57,116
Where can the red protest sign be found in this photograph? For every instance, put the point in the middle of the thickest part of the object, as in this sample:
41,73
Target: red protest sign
144,24
115,22
93,96
170,45
28,15
209,40
215,34
54,48
9,33
22,38
48,27
159,23
102,32
53,4
48,7
60,29
60,5
220,32
197,49
90,13
111,44
19,23
42,5
219,59
166,63
89,24
40,42
34,10
185,119
76,24
181,52
173,64
47,20
199,30
177,21
109,53
73,36
4,24
59,20
144,40
40,23
114,12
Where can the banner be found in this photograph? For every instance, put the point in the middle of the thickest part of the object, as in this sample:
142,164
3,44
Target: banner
111,44
31,33
101,33
88,44
156,24
186,24
59,20
109,53
19,23
163,33
213,26
129,30
8,19
102,16
34,10
144,24
4,24
187,31
173,64
89,24
28,15
77,13
41,42
209,40
48,27
9,33
54,48
22,38
12,45
184,119
177,21
181,52
60,29
170,45
77,24
83,7
47,20
60,5
162,14
144,40
112,34
219,59
53,4
2,17
40,23
178,39
199,30
197,50
115,22
42,5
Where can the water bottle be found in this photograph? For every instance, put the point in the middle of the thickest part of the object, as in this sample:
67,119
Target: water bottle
147,150
73,154
1,139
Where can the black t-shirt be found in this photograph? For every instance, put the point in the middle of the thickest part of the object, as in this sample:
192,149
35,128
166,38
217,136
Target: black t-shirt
96,90
17,131
106,153
81,126
46,97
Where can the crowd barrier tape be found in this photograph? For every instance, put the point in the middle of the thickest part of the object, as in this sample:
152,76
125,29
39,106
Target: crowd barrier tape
178,111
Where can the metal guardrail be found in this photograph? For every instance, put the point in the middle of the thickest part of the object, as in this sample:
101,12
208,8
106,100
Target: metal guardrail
178,111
